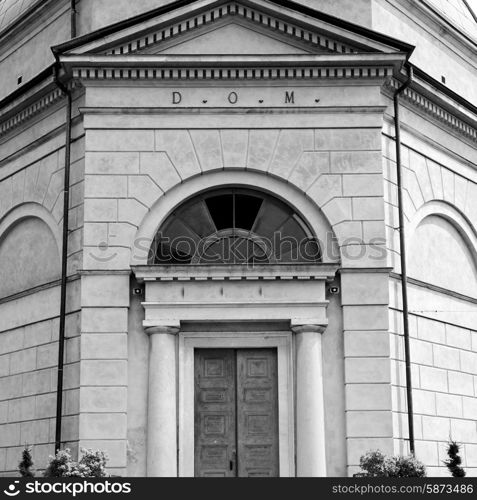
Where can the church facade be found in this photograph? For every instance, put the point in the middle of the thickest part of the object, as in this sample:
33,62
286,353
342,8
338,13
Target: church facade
231,300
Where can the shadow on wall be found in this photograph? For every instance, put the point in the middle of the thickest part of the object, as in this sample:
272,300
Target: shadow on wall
439,255
29,257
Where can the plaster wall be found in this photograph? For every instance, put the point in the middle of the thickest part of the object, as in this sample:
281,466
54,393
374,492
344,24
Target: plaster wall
95,14
439,204
333,375
28,375
31,206
134,160
333,391
27,52
124,163
437,52
32,173
28,257
444,361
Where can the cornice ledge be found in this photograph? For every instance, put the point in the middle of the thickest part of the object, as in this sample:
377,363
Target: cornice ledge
361,270
19,114
430,108
179,60
30,111
232,67
323,272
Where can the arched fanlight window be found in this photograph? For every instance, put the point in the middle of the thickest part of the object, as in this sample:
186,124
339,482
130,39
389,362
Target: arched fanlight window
234,226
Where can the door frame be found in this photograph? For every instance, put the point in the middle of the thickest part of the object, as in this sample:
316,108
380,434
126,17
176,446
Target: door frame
282,341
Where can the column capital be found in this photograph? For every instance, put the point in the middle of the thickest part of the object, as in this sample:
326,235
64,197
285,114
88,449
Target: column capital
165,329
298,327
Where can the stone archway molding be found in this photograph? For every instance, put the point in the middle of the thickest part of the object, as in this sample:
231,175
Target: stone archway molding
309,210
452,215
30,210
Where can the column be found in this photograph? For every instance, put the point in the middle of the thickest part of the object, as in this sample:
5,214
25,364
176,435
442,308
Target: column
310,425
162,403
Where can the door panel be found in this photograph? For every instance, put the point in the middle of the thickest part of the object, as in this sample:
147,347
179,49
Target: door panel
236,413
257,413
214,412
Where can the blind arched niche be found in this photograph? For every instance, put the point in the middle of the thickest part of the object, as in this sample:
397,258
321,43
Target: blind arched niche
234,226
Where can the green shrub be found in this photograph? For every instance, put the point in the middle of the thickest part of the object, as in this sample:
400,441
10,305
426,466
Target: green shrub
91,464
60,465
376,464
25,467
407,467
454,461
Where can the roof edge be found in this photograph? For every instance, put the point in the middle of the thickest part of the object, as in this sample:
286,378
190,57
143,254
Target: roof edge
419,73
120,25
24,16
40,77
356,28
128,23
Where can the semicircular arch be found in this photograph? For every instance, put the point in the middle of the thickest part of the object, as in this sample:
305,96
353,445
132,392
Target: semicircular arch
274,187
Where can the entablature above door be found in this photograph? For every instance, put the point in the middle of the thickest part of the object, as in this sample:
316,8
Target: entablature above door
202,293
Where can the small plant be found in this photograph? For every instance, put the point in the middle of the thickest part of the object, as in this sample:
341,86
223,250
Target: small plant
25,467
91,464
408,467
60,465
376,464
453,463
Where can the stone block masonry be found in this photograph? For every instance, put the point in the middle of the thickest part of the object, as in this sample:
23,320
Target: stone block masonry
338,168
104,366
28,390
444,391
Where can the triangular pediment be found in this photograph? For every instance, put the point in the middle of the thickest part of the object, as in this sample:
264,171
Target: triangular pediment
229,38
224,27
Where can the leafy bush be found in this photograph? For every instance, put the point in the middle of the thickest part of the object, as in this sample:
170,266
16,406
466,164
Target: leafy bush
91,464
407,467
60,465
25,467
376,464
454,460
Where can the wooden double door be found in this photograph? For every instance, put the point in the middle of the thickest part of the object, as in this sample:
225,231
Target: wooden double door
236,413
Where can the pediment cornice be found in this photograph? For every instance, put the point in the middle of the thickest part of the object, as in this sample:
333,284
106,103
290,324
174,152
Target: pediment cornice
133,51
301,44
312,29
312,39
232,68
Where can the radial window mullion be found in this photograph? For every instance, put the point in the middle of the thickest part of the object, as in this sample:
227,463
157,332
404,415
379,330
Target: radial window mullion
241,225
233,210
259,213
209,214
